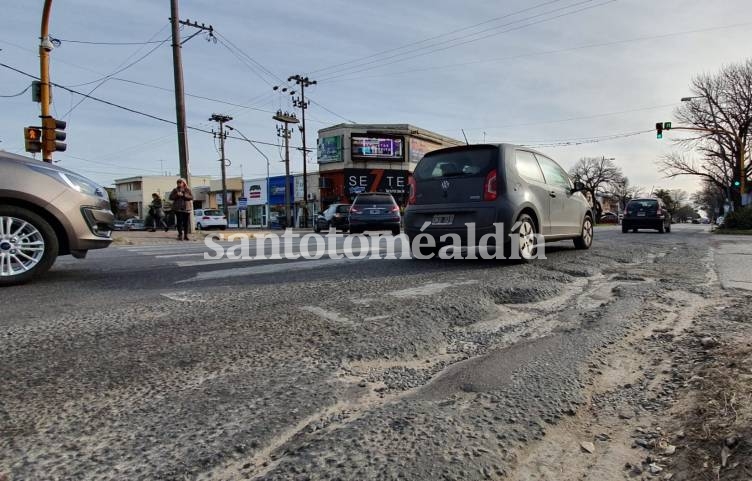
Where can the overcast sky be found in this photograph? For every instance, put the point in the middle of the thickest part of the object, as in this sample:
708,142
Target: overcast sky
549,73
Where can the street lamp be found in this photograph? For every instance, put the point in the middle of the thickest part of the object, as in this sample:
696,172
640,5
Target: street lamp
253,144
689,99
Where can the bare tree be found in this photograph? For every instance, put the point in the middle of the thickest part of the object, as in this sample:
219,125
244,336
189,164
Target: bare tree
721,114
709,198
623,192
596,173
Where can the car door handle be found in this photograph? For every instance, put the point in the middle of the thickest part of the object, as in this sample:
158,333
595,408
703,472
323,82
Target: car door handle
552,193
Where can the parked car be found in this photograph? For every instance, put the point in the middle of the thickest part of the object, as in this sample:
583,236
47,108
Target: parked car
47,211
374,211
646,214
210,219
609,218
134,223
497,183
118,225
336,215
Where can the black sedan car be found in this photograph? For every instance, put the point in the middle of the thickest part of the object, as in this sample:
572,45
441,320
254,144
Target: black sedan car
374,211
336,215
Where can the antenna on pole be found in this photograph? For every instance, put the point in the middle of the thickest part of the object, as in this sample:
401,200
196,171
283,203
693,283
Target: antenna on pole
463,134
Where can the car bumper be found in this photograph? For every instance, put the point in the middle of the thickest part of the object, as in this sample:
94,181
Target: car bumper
87,221
380,223
643,222
484,218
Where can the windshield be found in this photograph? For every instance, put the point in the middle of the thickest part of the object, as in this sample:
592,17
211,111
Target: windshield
374,199
343,209
472,162
212,212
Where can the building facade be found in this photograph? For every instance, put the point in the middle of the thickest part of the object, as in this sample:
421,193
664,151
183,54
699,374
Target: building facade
133,194
355,158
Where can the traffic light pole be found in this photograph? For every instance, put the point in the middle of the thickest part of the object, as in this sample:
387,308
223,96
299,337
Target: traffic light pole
45,46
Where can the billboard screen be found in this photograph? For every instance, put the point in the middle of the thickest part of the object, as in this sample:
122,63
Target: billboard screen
419,148
381,147
329,149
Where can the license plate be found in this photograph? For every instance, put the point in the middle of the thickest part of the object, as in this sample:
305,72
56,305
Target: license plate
442,220
375,211
640,214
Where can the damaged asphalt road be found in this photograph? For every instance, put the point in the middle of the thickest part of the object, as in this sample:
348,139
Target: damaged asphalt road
362,370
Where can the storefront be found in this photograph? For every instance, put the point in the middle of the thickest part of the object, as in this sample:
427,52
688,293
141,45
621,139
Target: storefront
277,216
255,193
355,158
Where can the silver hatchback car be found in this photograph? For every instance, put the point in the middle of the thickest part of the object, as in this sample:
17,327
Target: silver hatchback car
47,211
485,185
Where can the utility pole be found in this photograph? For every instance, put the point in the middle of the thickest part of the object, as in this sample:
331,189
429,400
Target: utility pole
45,46
303,105
177,66
221,119
286,118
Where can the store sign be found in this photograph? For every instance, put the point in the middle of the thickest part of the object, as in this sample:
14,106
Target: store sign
242,202
375,180
382,147
255,191
329,149
277,190
419,148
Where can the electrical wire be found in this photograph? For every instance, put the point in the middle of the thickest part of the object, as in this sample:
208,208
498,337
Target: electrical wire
16,95
436,37
84,42
582,140
546,52
448,43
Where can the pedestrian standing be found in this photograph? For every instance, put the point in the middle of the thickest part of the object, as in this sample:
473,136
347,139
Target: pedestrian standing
181,197
156,211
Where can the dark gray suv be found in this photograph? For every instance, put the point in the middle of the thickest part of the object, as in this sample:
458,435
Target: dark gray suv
499,183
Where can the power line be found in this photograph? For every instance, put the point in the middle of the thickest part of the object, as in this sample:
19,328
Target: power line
546,52
84,42
452,43
16,95
583,140
332,112
470,27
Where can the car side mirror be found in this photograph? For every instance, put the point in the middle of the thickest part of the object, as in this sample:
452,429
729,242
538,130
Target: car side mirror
578,186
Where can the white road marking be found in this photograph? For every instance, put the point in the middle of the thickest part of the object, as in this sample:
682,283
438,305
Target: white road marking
182,296
328,315
428,289
265,269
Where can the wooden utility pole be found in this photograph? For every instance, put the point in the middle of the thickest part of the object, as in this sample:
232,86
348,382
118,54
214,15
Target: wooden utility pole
177,66
221,119
286,119
303,105
45,46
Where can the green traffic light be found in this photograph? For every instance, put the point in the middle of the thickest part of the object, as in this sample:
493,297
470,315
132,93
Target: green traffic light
659,135
737,183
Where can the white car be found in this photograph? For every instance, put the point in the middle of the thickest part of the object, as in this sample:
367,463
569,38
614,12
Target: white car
209,219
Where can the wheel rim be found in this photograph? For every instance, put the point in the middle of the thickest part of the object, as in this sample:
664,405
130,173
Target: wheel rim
527,240
587,232
21,246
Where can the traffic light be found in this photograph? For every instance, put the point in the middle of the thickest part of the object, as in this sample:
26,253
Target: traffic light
33,139
736,184
666,125
659,130
53,134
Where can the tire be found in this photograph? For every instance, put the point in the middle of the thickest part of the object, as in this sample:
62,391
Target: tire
224,227
668,228
527,247
634,231
624,229
198,226
586,235
316,227
37,231
661,229
354,230
396,231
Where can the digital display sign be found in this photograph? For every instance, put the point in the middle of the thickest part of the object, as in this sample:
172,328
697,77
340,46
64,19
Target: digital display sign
380,147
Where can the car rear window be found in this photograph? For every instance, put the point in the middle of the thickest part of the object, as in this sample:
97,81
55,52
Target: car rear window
212,212
374,199
643,204
475,162
343,209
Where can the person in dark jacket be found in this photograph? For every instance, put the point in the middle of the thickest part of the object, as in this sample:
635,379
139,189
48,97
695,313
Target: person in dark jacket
156,211
181,197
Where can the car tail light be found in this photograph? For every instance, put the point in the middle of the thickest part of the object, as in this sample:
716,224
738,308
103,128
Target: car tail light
395,208
354,210
413,190
658,211
489,186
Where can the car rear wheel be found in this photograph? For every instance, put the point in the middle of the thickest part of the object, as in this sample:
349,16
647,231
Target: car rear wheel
662,228
586,236
527,245
354,230
668,228
396,231
198,226
624,229
28,245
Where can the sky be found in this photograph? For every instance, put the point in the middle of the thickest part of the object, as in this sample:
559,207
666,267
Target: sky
573,78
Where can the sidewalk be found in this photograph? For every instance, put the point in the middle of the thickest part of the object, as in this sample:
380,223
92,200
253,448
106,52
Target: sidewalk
733,261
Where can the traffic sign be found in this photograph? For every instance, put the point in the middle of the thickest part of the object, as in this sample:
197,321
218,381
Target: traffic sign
242,202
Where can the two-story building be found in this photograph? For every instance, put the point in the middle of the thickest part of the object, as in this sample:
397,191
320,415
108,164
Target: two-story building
133,194
356,158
